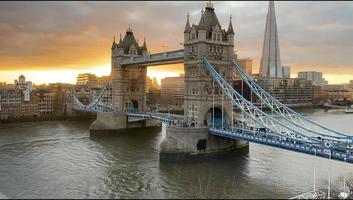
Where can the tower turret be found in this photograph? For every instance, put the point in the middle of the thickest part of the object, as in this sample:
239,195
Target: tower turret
187,29
230,32
144,47
120,47
230,26
187,25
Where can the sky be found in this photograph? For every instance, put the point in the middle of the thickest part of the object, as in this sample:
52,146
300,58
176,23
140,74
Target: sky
54,41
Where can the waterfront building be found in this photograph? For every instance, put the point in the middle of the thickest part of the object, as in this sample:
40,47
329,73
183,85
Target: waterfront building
286,71
270,65
173,90
318,94
13,104
245,64
291,91
46,102
10,101
338,92
315,77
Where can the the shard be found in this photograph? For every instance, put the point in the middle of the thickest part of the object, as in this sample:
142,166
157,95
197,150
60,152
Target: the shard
270,65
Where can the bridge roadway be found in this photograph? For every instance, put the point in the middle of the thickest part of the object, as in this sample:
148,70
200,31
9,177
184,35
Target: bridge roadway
250,134
259,137
163,117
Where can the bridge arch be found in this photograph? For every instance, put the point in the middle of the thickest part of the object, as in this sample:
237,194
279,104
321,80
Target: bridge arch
216,111
132,106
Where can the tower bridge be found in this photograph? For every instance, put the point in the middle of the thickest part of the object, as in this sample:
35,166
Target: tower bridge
209,123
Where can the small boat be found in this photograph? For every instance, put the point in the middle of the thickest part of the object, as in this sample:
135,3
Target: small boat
348,109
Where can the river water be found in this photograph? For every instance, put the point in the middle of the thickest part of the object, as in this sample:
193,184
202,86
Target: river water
58,159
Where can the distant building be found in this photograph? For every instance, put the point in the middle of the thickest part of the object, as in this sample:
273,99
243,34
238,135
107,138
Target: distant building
292,91
286,71
315,77
155,84
172,90
86,79
21,83
153,91
148,84
338,92
46,102
13,104
101,81
245,64
318,94
270,65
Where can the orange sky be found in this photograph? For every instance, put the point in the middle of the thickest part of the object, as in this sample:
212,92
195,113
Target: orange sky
54,41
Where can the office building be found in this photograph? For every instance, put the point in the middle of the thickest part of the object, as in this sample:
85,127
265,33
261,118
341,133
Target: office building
286,71
270,65
315,77
173,90
245,64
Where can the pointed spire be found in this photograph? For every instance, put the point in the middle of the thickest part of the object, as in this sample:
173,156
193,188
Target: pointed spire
230,26
129,30
187,26
120,40
144,46
209,5
114,43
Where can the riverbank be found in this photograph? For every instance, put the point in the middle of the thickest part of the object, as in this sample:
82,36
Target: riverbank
48,118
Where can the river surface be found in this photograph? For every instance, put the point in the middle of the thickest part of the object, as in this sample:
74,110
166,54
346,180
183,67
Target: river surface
58,159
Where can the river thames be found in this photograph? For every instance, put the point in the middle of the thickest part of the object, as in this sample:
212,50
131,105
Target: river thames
58,159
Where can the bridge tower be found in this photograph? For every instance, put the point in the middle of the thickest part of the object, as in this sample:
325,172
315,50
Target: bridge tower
201,102
128,83
208,39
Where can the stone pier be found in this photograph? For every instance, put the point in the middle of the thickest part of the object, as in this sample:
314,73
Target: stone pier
113,122
109,122
183,142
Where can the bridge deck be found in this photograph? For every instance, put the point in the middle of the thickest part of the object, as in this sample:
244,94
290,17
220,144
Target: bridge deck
249,136
163,117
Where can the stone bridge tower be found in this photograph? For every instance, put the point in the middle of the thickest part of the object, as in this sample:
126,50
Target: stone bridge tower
128,83
207,39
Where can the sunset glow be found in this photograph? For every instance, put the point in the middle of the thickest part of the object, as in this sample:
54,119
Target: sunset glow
51,47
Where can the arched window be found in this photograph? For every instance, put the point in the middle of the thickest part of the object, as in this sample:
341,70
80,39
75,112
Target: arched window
218,37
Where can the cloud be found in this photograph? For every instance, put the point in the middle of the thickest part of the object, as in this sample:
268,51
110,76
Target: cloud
62,35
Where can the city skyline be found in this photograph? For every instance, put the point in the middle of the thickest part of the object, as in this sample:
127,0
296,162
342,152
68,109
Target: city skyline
82,44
